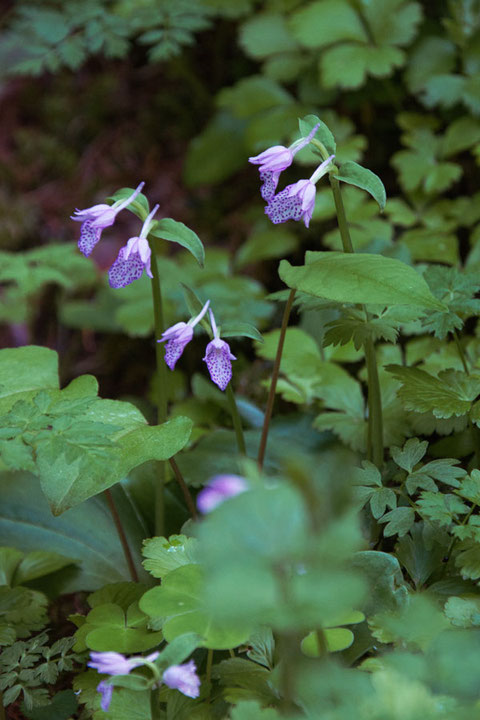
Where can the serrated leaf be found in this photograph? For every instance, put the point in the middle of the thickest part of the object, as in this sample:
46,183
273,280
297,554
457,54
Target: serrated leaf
411,453
399,521
162,555
449,394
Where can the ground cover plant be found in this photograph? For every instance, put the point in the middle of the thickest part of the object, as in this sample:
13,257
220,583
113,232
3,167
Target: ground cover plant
240,364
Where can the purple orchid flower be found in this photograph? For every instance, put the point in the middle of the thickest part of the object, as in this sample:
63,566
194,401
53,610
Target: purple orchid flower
113,663
134,258
297,201
218,358
94,219
276,159
178,336
183,678
220,488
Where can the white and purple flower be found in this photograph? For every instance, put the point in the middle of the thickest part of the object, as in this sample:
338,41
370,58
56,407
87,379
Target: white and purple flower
219,489
94,219
276,159
218,358
113,663
134,258
178,336
183,678
297,201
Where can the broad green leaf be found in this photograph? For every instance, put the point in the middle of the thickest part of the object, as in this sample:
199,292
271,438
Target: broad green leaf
326,22
463,611
217,152
348,65
38,563
162,555
336,639
85,533
240,329
363,278
174,231
24,371
264,34
178,602
354,174
252,95
109,628
383,574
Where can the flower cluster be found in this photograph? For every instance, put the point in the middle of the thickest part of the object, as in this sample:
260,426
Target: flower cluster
217,354
179,677
132,259
297,201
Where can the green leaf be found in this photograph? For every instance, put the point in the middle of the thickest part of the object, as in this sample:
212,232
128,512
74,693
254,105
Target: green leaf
323,134
411,453
399,521
348,65
108,628
139,206
326,22
354,174
163,556
364,278
86,533
168,229
442,508
63,706
450,394
463,611
179,603
217,152
336,639
241,329
264,34
24,371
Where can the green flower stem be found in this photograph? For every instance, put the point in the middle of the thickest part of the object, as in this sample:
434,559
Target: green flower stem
184,488
375,414
154,704
236,419
161,398
273,384
162,410
122,536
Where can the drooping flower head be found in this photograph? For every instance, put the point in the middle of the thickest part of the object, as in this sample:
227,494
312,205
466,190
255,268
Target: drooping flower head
134,258
178,336
276,159
113,663
183,678
220,488
297,201
218,358
94,219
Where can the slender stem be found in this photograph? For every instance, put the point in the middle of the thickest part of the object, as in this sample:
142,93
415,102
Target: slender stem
237,421
374,405
273,384
231,653
375,415
154,710
461,351
122,536
341,217
161,394
184,488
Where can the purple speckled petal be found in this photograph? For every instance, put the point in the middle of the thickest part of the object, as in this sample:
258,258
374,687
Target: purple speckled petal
219,362
270,182
89,237
123,272
284,207
173,350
